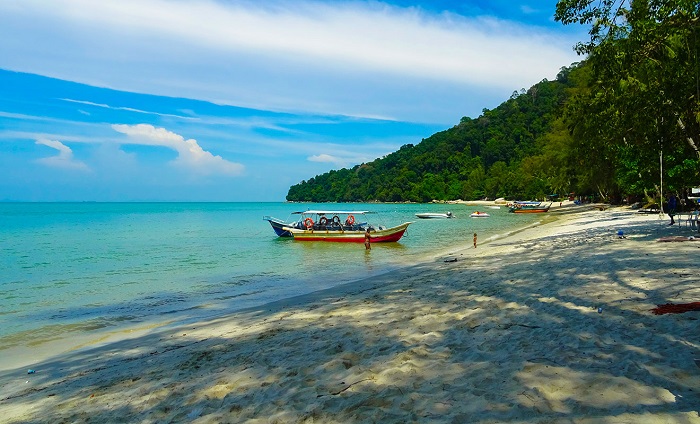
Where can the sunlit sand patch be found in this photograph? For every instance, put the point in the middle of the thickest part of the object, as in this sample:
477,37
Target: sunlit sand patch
564,389
568,305
485,340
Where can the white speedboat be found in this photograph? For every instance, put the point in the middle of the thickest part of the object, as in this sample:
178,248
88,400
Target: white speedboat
434,215
478,214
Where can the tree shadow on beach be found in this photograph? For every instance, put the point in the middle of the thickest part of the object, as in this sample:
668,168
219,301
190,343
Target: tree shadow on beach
492,338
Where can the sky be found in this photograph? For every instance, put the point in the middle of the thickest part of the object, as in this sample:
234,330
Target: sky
237,100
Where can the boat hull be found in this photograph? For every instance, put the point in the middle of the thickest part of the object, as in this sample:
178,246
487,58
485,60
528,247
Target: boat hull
278,226
529,207
480,215
377,236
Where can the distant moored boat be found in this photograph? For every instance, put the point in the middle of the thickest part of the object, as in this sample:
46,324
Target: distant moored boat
529,207
434,215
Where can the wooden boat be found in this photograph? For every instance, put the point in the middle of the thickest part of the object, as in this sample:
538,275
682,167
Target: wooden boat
478,214
434,215
343,226
529,207
278,225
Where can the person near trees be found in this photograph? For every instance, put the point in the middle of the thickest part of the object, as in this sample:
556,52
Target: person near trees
672,205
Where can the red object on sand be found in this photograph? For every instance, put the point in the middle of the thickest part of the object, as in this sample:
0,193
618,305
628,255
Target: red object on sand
679,308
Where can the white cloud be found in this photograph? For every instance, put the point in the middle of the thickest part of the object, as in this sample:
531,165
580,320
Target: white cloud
128,109
64,159
325,158
340,57
190,153
339,161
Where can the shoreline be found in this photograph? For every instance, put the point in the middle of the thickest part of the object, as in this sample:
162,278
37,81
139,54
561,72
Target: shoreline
509,333
35,351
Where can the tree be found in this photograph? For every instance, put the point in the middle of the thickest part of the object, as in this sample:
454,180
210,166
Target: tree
475,158
644,88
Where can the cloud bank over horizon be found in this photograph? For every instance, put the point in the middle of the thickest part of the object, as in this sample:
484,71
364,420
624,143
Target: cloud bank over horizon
367,59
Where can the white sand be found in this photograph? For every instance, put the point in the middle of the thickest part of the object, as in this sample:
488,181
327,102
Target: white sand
512,334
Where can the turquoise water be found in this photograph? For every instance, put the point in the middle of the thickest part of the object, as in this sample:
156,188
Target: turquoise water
82,267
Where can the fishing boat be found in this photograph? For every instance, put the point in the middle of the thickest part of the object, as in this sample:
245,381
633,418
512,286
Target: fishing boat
478,214
434,215
278,225
529,207
343,226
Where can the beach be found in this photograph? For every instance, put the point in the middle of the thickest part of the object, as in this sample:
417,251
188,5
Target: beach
551,324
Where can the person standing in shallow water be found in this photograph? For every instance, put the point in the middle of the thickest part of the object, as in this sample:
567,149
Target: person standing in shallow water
367,240
474,240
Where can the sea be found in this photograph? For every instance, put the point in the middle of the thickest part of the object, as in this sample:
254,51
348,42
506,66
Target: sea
76,269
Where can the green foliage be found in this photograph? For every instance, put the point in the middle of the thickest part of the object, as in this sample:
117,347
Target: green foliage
642,92
477,158
598,129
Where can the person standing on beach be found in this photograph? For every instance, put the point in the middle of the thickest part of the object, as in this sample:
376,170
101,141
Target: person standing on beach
672,204
474,240
367,240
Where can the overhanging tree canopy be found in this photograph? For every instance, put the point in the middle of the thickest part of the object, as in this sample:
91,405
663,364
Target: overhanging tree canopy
644,88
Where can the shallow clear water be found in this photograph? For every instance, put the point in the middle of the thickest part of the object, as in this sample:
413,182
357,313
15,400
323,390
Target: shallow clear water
80,267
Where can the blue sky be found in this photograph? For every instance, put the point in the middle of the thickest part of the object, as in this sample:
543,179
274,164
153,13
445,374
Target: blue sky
228,100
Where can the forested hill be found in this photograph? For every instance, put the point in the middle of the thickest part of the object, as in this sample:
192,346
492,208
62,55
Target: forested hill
624,123
511,151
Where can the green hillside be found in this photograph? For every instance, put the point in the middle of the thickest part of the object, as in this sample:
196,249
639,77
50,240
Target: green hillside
608,127
501,153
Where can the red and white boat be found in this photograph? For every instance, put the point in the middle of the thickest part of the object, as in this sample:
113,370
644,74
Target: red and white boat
343,226
478,214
